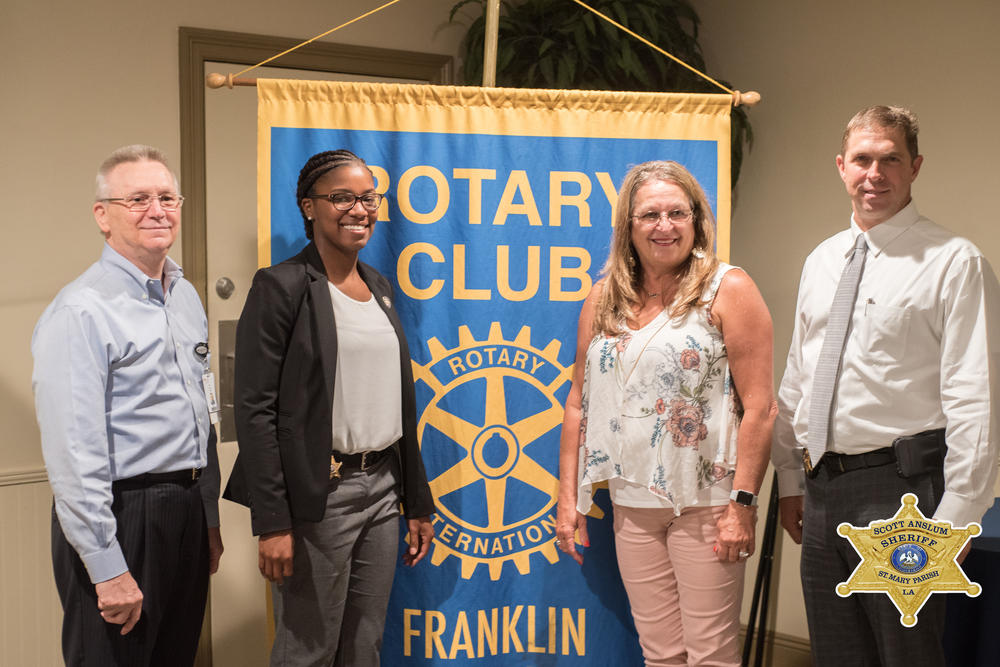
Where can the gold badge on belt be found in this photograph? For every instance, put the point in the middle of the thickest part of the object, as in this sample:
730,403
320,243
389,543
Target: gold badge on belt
908,557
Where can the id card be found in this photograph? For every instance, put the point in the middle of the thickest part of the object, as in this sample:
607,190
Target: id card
211,397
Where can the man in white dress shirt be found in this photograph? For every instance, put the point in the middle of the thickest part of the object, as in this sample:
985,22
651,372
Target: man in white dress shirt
918,370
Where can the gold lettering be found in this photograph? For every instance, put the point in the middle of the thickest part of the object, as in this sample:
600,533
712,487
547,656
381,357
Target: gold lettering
408,632
403,194
530,281
510,630
552,629
517,182
608,186
403,271
458,272
578,631
557,199
558,272
462,640
487,633
532,647
476,178
435,628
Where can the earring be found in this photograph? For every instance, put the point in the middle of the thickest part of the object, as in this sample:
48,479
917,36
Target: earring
698,253
309,219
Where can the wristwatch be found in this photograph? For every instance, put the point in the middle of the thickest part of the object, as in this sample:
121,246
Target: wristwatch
743,498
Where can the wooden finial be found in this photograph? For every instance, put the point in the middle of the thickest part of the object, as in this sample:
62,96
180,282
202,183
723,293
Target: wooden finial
751,98
216,80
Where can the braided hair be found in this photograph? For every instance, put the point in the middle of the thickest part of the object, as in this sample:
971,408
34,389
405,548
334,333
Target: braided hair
314,168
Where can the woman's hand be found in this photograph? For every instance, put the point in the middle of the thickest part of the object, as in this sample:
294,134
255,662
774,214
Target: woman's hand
421,534
569,522
737,531
275,551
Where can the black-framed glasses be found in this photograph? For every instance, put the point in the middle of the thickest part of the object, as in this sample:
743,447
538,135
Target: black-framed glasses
677,216
141,201
345,201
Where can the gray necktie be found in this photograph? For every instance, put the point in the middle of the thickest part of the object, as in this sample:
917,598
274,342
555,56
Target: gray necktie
830,357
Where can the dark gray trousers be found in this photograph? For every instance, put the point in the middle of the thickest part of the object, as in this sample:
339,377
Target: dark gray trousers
862,630
161,529
331,611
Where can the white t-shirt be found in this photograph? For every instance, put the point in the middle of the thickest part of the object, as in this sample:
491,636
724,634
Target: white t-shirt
367,405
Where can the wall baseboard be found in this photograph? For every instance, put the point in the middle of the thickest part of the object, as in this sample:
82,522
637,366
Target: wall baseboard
30,616
781,650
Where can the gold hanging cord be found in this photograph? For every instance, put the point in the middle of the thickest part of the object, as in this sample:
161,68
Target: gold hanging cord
215,80
749,98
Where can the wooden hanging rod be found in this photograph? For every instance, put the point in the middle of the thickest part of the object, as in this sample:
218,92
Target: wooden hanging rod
216,80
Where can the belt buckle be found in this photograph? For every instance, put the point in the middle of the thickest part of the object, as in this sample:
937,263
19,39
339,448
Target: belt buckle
334,466
194,474
364,461
807,462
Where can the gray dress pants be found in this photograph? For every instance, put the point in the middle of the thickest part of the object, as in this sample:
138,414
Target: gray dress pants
862,630
331,611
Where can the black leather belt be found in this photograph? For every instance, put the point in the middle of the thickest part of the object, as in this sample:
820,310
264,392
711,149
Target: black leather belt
187,477
361,461
837,464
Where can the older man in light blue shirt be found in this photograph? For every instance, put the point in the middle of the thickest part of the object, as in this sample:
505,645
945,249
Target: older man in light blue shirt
120,378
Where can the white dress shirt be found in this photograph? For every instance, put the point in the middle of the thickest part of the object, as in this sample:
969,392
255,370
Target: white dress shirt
921,353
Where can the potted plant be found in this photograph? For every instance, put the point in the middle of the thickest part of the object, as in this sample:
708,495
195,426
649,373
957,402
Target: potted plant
559,44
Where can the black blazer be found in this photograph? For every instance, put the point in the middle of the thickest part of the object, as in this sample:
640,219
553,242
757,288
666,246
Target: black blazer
286,362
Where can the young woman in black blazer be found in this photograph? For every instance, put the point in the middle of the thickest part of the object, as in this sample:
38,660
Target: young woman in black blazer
326,423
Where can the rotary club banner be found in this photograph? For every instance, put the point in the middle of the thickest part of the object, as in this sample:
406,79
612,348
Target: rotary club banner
496,222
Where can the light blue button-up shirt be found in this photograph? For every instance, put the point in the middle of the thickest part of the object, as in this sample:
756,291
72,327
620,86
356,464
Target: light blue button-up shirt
118,393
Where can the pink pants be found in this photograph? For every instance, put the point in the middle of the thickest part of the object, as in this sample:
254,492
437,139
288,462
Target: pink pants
685,602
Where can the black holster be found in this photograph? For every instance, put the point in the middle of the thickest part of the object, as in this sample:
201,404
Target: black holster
921,453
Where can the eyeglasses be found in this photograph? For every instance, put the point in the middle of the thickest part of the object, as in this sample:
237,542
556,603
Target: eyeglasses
141,201
677,216
345,201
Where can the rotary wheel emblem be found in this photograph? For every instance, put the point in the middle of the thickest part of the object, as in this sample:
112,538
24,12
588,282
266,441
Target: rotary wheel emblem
489,435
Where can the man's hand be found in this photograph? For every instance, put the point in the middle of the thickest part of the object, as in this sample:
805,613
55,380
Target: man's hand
275,551
421,534
791,516
215,548
120,601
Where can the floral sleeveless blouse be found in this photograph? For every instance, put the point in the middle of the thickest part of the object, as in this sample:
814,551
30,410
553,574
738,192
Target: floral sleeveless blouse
660,411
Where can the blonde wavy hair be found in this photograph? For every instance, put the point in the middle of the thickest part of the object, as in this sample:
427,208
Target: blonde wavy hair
622,273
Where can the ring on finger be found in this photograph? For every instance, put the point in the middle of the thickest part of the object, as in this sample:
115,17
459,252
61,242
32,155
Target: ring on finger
744,554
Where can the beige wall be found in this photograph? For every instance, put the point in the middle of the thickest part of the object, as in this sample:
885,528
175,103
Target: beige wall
80,79
83,78
815,64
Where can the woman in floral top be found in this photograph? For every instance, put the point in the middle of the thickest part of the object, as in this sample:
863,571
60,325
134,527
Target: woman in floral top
672,405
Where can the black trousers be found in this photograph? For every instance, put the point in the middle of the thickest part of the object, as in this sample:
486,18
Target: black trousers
162,531
862,630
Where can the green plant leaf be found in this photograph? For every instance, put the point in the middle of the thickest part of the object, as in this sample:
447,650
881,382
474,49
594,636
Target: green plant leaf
566,71
557,43
459,5
546,67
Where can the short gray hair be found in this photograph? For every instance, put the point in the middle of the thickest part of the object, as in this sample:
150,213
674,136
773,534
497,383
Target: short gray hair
126,154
